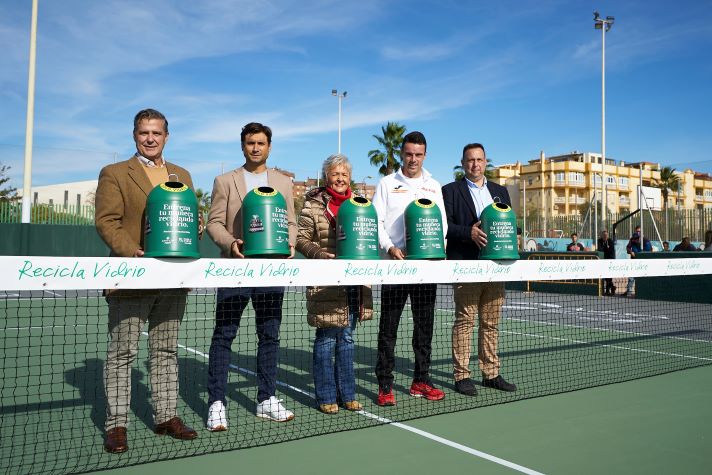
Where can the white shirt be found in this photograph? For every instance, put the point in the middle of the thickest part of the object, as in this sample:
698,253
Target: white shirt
150,163
393,195
255,180
481,195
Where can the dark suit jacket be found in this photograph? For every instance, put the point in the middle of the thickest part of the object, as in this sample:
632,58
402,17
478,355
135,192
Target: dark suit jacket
461,215
120,204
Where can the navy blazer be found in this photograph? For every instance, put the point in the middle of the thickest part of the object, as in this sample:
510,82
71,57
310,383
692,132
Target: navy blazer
462,214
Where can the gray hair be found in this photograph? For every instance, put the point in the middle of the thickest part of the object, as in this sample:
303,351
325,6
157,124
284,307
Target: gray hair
333,161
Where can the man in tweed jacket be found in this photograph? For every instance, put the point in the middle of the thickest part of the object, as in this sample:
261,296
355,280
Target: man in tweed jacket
120,217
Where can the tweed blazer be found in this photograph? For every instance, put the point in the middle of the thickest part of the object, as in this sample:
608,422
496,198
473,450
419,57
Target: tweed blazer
327,306
225,217
121,204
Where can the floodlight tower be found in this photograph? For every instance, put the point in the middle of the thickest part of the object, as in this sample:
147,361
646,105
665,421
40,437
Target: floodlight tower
603,24
340,96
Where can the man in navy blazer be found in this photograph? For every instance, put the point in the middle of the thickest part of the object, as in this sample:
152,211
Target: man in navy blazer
465,200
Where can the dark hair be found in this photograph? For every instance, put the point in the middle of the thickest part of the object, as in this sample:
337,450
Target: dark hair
574,234
473,145
415,137
148,114
255,128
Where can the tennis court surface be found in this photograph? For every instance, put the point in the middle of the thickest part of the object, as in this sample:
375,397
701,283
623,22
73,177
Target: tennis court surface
552,341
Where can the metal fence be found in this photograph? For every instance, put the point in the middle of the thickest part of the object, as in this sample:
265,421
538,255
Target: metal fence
672,225
11,212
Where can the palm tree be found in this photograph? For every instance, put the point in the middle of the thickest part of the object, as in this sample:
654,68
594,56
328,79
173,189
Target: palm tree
388,159
203,201
669,180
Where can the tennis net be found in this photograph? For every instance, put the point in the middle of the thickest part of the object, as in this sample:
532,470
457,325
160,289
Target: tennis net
557,332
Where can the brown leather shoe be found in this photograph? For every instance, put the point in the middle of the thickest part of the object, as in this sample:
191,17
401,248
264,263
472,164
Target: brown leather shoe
116,441
176,429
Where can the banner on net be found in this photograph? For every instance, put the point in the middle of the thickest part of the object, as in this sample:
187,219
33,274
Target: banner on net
38,273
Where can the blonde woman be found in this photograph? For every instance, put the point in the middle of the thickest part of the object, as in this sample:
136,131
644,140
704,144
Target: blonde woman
334,311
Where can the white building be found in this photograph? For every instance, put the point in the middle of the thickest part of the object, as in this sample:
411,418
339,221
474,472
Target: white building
75,194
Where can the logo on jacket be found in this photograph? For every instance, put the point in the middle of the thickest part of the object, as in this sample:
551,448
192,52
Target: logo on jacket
399,189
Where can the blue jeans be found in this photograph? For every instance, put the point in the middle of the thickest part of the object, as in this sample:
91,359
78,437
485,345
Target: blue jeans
267,302
334,383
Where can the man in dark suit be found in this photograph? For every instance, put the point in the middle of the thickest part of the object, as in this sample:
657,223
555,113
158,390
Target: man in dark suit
465,200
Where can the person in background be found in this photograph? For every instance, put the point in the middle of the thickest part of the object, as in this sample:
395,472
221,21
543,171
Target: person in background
120,209
632,248
606,246
666,246
226,229
333,310
708,240
685,245
574,245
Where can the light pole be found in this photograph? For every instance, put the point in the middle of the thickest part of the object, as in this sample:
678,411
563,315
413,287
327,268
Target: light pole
340,96
363,184
29,126
604,25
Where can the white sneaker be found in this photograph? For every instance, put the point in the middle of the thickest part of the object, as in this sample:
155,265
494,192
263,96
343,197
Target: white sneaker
273,410
217,417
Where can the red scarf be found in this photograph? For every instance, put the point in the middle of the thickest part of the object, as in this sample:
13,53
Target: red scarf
332,208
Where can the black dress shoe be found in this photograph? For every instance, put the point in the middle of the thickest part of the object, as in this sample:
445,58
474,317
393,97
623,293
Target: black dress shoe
466,386
116,440
499,383
176,429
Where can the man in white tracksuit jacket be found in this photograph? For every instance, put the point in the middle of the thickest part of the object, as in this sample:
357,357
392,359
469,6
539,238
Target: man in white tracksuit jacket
394,193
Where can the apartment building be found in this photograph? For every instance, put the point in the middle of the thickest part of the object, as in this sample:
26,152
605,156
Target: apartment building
565,184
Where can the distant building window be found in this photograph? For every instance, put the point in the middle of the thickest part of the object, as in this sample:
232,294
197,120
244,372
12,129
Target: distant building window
560,177
611,180
623,181
35,197
66,198
576,177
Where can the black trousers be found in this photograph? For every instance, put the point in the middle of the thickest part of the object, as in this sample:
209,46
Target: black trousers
422,304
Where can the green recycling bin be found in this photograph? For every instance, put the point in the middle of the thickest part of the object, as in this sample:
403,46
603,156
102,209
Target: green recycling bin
264,223
424,230
171,227
500,224
357,230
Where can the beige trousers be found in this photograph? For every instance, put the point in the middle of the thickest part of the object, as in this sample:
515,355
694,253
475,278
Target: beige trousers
483,299
128,313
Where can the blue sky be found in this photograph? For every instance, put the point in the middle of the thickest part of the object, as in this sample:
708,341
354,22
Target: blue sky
517,76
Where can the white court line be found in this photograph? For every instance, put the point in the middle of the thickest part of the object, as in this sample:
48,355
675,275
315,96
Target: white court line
44,327
428,435
606,345
615,330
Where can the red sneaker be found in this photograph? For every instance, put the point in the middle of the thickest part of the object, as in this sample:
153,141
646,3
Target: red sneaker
427,391
386,396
